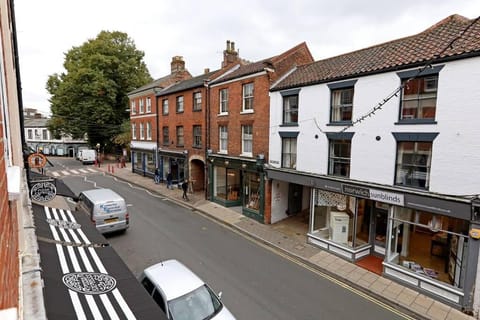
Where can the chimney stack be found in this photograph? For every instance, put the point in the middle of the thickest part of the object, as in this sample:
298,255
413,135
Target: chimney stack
230,56
177,64
206,70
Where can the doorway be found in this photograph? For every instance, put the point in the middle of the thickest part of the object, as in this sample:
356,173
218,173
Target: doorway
294,198
380,218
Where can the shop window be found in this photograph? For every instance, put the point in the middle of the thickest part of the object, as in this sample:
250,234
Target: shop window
251,188
430,245
138,161
150,162
340,219
226,184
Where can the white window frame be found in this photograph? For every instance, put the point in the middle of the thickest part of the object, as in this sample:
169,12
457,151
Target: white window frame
223,100
180,102
247,95
165,106
134,131
197,136
133,107
30,134
141,106
149,105
149,131
247,140
223,139
197,101
142,133
178,129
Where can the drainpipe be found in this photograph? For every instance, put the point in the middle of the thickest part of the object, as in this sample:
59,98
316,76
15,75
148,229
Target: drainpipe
207,138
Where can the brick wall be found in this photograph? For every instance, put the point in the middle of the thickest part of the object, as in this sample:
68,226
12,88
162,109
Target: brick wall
9,270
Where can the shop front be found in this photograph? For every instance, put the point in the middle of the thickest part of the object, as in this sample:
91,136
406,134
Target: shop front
237,182
173,162
144,158
422,240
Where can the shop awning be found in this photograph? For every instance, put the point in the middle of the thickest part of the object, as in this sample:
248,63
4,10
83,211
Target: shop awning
83,276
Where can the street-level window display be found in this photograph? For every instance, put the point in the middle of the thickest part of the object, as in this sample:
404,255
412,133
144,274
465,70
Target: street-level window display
226,183
150,162
251,189
137,157
430,245
340,218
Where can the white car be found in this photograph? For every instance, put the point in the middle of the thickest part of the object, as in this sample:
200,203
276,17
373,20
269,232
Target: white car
181,294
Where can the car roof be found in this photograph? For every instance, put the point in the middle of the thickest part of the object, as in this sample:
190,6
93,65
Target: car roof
173,278
102,195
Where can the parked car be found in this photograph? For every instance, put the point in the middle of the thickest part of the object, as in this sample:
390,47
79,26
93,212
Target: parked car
181,294
106,209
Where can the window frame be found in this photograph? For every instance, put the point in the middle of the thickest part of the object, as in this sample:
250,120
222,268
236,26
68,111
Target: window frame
197,101
165,136
134,131
164,106
287,112
223,141
223,99
133,106
180,137
247,97
149,131
149,105
292,156
142,133
341,87
197,136
141,106
180,105
247,139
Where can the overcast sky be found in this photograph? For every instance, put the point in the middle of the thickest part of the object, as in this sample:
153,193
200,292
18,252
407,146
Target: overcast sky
198,30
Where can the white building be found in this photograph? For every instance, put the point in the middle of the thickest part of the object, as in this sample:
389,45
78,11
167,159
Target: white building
382,148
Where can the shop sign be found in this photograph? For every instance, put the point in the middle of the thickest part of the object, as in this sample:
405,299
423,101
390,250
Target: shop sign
373,194
43,191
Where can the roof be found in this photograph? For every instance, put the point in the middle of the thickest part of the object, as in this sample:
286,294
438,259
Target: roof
39,122
254,67
102,194
191,83
163,82
454,37
174,278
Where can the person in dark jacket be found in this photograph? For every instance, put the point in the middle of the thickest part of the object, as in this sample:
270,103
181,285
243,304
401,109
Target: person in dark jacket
169,180
157,176
185,188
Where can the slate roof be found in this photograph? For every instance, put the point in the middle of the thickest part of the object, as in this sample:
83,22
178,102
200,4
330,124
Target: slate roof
258,66
160,82
427,46
36,123
191,83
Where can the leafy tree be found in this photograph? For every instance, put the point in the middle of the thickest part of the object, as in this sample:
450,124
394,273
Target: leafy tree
91,96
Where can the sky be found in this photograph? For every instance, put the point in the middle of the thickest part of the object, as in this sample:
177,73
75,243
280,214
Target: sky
198,30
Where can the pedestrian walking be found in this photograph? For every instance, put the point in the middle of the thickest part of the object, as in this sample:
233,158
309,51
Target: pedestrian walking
185,188
157,176
169,180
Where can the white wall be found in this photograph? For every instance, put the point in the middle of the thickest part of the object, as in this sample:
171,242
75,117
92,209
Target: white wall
456,150
279,200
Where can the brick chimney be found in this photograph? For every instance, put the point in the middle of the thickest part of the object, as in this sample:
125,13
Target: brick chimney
230,56
177,65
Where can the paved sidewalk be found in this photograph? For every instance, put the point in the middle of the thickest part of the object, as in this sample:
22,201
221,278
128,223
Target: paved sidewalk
287,237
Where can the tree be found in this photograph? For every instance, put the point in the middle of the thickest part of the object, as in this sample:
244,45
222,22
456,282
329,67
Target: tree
91,96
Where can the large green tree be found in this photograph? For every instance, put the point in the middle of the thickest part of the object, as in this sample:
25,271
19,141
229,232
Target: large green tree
90,97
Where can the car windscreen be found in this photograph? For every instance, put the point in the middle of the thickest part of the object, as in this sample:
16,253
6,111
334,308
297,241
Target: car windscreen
200,304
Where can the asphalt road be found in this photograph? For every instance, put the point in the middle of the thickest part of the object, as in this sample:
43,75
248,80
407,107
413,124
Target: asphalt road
256,281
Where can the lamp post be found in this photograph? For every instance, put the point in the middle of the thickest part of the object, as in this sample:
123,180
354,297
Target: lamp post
98,153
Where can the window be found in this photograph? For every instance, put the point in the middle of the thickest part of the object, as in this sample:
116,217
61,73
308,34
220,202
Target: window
180,137
44,134
142,133
30,134
141,106
290,109
223,138
247,97
413,163
341,105
134,131
165,106
149,105
289,153
224,101
133,106
149,131
419,98
166,138
247,140
339,158
179,104
197,101
197,136
37,134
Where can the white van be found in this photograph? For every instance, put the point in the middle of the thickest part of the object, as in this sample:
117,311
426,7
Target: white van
88,156
106,209
79,152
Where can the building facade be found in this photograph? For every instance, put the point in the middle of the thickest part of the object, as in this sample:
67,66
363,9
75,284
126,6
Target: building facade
144,117
378,145
238,131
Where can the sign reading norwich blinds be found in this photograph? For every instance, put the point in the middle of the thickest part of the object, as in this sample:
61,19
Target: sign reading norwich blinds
373,194
43,191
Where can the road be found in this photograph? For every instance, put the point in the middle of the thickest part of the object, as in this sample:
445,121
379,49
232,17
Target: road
256,281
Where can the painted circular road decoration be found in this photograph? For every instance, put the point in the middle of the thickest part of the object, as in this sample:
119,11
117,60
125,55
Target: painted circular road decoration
89,282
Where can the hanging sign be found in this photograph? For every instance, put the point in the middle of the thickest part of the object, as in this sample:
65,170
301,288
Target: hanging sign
37,160
43,191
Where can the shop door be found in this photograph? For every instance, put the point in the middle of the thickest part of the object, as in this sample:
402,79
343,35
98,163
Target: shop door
294,198
380,227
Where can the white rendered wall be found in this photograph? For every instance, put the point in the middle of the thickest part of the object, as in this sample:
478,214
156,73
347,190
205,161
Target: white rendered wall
456,150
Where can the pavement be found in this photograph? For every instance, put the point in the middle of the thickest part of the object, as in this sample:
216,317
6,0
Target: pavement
289,237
